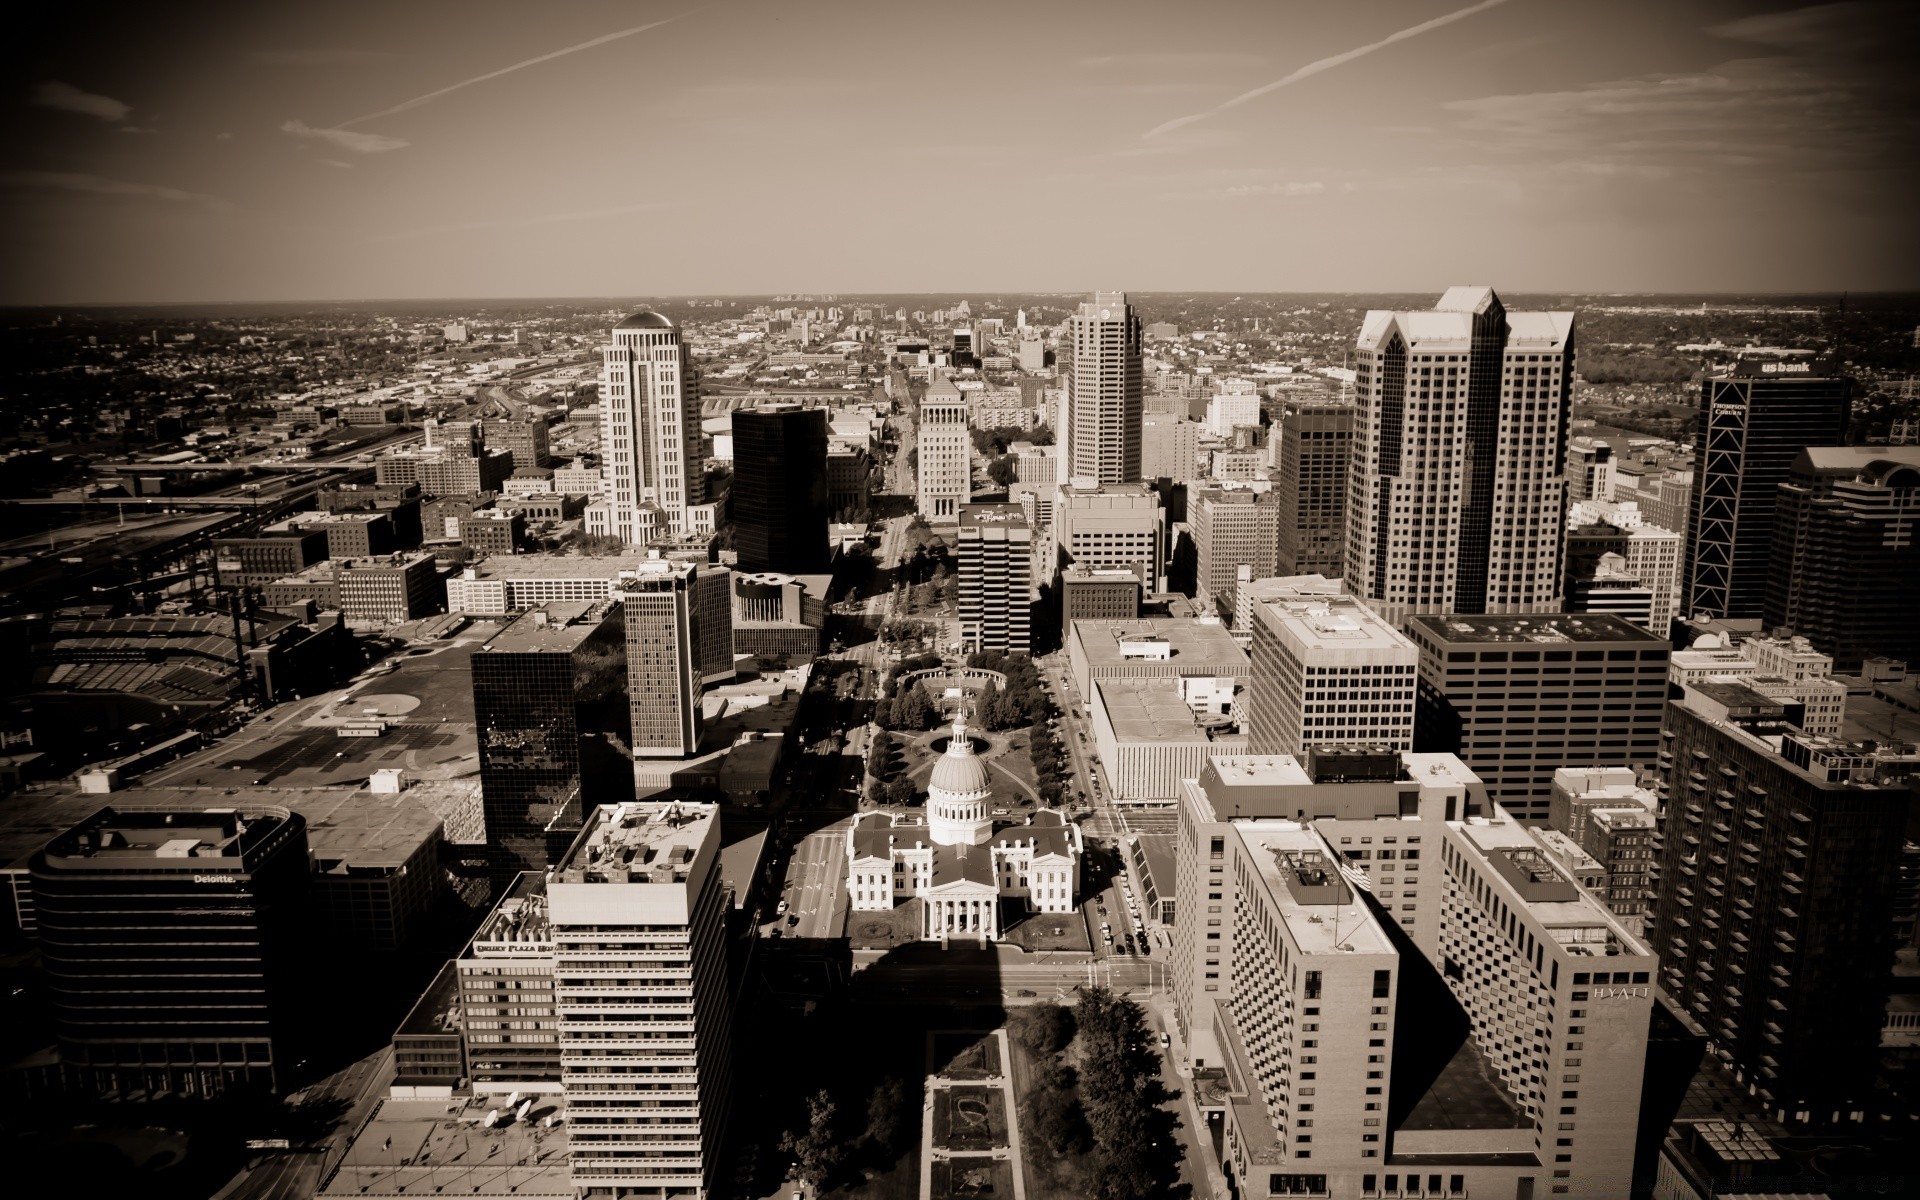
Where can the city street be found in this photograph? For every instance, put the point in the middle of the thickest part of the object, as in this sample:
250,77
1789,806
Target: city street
815,886
298,1174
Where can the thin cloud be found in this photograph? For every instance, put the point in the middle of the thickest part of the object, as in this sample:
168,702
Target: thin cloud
52,93
602,40
1311,187
99,185
560,218
1324,64
1172,61
345,139
316,58
334,162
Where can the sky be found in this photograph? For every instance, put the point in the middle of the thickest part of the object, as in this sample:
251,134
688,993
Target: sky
201,151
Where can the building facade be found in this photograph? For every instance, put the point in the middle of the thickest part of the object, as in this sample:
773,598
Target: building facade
1517,698
1315,444
944,470
1169,448
957,863
638,914
1101,428
1233,527
1755,419
1457,494
1846,559
1779,858
995,550
1328,671
550,713
650,440
781,503
1385,986
659,603
135,910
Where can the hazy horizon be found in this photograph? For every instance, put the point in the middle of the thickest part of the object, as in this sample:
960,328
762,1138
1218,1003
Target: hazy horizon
224,153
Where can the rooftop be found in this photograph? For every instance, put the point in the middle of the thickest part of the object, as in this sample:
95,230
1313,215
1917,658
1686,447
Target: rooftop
555,628
1199,647
638,843
646,318
416,1147
1333,623
993,514
1151,709
1298,870
1535,627
173,834
519,918
1579,923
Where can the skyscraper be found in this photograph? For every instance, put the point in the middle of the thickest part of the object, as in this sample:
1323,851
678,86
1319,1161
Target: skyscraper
650,442
636,912
659,600
1233,527
1102,409
549,710
171,943
1328,671
1458,487
1846,558
1406,995
1519,697
1169,448
944,466
1778,862
1755,419
780,498
1316,452
996,579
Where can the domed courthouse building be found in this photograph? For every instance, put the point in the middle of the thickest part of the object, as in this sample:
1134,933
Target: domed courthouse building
955,862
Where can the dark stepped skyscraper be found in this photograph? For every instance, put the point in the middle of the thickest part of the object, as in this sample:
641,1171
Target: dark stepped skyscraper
171,943
550,712
1754,422
780,498
1846,562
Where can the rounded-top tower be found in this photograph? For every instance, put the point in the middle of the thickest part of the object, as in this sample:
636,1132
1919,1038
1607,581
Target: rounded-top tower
958,793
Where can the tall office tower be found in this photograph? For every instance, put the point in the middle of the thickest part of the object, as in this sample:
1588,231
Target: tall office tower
650,447
171,942
640,987
1102,425
1327,671
1032,354
1652,554
996,579
550,714
1520,697
1233,527
1779,858
1589,470
945,464
780,498
1458,486
1169,448
1118,525
659,606
1315,454
1846,558
1465,1022
1754,421
712,617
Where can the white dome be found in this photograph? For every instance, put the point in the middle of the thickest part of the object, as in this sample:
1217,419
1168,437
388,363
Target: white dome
959,772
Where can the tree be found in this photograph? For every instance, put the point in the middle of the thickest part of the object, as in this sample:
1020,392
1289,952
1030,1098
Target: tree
1058,1121
817,1149
1042,1028
886,1118
1003,471
879,755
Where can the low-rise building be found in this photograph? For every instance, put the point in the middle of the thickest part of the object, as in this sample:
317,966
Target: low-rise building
1169,647
1151,733
505,585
